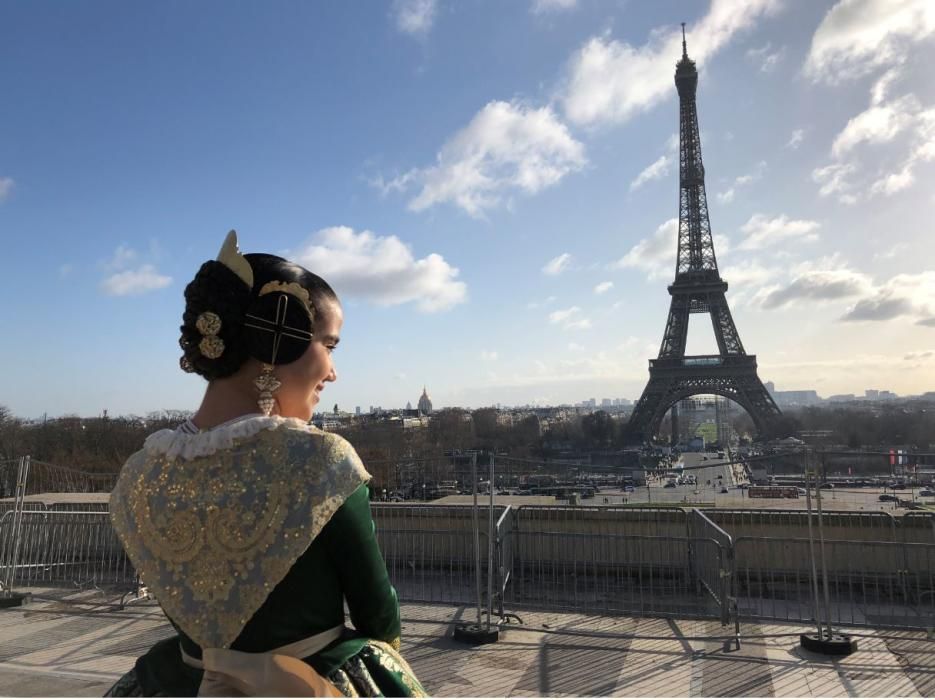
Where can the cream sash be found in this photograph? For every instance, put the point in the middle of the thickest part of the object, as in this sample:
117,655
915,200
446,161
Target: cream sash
276,673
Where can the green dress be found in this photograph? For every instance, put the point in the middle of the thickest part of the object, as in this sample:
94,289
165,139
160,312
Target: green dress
252,536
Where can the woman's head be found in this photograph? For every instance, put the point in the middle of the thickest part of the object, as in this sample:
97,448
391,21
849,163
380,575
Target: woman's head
247,312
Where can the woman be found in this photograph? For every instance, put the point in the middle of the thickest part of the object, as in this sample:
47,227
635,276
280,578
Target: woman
250,527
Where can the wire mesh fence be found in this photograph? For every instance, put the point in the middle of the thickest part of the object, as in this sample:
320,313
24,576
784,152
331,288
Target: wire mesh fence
844,525
869,583
609,559
608,574
72,548
712,570
429,549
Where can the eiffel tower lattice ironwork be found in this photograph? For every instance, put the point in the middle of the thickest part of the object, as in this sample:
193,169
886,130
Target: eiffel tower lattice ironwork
698,288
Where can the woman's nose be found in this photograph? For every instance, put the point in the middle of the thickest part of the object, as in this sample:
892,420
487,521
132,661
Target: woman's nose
332,375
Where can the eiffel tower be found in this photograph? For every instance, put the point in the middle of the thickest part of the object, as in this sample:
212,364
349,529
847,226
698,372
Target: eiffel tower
697,289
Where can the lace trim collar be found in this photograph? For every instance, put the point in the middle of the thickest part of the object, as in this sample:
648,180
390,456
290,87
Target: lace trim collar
188,442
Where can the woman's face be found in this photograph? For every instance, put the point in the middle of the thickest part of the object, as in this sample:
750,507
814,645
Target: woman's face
305,379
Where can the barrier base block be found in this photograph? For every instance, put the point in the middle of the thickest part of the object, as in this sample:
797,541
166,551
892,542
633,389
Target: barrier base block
14,600
476,634
835,645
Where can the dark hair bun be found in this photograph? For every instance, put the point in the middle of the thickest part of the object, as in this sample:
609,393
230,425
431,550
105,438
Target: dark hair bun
218,290
284,313
215,352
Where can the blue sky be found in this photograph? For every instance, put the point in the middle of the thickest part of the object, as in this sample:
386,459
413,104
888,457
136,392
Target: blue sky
489,186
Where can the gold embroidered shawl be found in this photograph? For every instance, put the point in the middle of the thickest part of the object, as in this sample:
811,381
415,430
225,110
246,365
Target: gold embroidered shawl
211,535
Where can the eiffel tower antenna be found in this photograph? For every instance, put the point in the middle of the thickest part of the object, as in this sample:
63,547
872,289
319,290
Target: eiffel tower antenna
697,289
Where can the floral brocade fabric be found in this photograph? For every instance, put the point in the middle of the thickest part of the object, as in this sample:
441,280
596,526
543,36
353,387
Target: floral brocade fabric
212,535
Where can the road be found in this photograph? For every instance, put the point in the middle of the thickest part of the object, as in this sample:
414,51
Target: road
708,490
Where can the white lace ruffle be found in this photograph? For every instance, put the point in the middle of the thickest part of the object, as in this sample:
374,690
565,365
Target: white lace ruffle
176,443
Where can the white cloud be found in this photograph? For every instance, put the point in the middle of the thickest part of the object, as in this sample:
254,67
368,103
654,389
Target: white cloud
659,168
122,258
506,146
881,87
414,17
762,231
123,281
488,355
654,255
569,320
911,295
580,324
881,123
891,252
574,347
795,139
6,187
727,196
603,287
381,269
858,36
557,265
765,58
834,179
827,281
131,282
537,304
747,281
544,6
562,315
609,81
878,124
892,183
654,171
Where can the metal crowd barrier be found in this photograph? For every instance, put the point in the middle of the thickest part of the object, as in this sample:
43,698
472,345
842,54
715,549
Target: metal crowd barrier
642,561
838,524
429,550
917,526
504,555
76,548
712,570
877,584
609,574
655,521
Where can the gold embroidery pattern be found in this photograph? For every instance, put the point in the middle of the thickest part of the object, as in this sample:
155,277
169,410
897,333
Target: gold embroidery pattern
389,658
213,536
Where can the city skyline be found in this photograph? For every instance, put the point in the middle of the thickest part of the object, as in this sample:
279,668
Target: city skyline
498,215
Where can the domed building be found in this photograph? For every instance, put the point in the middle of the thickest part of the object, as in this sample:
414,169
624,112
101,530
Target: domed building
425,403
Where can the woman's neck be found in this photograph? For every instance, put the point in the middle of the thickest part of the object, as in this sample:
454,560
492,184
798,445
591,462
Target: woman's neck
224,400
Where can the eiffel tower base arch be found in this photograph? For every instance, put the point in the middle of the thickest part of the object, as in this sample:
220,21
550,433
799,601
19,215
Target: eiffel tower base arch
669,385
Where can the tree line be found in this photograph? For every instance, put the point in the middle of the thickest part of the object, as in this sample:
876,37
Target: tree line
101,445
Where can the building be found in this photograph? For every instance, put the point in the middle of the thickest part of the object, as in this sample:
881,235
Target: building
425,403
807,397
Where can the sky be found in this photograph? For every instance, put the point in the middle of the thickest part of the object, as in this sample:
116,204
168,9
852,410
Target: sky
491,188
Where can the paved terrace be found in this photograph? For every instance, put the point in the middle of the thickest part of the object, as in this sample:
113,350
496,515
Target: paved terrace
77,644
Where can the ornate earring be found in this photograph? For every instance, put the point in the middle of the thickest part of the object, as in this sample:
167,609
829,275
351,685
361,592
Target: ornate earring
266,384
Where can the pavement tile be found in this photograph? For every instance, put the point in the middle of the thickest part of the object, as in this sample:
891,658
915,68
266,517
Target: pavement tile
77,646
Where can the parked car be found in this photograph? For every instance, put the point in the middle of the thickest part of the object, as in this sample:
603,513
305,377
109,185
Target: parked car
826,487
670,485
724,489
887,497
927,493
